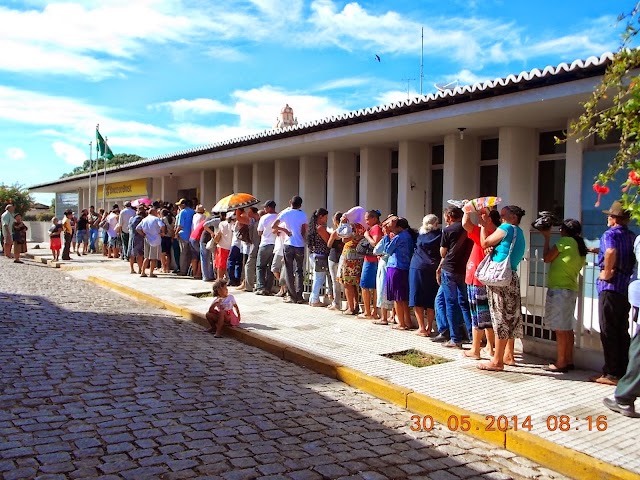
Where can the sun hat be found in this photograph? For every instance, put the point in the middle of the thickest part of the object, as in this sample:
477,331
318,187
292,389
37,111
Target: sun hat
616,210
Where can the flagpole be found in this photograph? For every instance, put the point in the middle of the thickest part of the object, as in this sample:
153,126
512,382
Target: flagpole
90,167
104,180
97,165
97,175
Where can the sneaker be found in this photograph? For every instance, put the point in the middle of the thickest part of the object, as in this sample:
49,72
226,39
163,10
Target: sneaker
288,300
626,410
440,338
301,301
452,344
259,292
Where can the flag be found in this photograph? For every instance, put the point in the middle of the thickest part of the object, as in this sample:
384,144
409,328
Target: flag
103,149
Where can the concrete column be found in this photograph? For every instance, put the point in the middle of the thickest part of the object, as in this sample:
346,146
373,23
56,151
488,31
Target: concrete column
313,182
83,197
263,181
341,187
517,157
224,182
169,189
242,178
461,167
286,183
208,188
375,174
573,182
413,165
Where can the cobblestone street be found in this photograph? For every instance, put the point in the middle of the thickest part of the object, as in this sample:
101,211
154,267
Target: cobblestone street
95,385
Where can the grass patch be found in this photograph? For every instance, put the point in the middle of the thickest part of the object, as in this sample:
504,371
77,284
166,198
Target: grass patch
201,294
416,358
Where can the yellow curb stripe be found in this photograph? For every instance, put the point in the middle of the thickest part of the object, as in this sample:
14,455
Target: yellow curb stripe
455,418
564,460
375,386
570,462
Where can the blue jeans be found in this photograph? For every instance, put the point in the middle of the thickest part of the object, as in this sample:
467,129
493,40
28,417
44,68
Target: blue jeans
264,275
93,237
234,266
457,305
441,313
206,260
294,275
319,279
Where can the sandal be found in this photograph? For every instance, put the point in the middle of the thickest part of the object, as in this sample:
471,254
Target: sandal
363,316
422,334
552,368
380,322
398,327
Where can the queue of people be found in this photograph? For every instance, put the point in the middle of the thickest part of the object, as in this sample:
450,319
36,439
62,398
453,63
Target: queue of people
384,265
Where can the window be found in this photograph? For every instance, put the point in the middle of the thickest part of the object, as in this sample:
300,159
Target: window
394,182
437,177
551,175
437,155
489,149
357,179
548,144
489,167
613,137
488,180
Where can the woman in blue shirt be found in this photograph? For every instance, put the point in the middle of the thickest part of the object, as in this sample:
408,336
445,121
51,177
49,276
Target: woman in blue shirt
400,249
504,302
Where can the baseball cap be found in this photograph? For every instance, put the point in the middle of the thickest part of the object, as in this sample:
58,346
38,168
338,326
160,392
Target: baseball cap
270,204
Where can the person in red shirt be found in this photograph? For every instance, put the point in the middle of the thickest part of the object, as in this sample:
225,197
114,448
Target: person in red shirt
476,291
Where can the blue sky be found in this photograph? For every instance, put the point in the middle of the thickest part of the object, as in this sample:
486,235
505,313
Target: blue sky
163,75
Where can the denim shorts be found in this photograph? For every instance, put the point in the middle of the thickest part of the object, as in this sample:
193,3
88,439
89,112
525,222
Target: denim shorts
81,236
559,309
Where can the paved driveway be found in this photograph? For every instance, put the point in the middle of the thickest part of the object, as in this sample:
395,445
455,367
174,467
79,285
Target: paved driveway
95,385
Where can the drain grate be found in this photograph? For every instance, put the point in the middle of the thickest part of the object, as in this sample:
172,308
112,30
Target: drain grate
416,358
207,294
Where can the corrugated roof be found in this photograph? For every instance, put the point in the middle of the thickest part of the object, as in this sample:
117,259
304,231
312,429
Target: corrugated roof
535,78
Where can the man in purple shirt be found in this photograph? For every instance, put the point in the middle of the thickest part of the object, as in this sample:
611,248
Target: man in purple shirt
616,261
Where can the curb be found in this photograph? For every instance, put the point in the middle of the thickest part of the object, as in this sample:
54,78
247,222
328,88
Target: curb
564,460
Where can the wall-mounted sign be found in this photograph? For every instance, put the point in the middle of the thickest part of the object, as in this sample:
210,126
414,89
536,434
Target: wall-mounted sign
130,190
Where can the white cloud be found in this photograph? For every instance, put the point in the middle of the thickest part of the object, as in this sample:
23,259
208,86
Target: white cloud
393,96
69,153
73,121
199,106
15,154
342,83
73,39
227,53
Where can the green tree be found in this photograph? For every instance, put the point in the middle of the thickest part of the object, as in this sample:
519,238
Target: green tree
118,159
16,195
614,107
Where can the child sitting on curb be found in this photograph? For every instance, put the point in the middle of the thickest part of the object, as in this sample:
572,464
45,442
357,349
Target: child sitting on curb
222,309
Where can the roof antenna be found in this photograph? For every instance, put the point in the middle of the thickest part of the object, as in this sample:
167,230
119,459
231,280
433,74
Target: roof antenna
422,62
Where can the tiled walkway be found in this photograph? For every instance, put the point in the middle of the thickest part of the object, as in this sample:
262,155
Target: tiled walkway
524,390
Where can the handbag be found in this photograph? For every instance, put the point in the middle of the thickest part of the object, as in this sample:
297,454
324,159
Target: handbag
364,247
211,245
496,274
321,264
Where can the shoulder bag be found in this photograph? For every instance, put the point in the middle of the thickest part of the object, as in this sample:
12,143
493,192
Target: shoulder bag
496,274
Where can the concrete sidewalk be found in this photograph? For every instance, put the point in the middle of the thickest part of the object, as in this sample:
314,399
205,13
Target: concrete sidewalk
352,350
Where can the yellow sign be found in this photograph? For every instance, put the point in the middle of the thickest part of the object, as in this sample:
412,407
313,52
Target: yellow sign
129,190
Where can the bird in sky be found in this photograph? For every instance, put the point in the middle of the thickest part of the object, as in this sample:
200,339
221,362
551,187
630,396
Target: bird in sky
378,57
